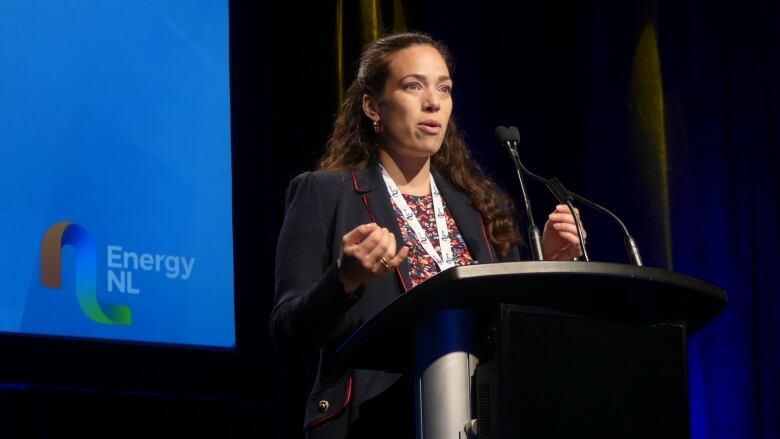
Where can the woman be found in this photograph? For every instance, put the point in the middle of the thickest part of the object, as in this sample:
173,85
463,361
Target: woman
365,228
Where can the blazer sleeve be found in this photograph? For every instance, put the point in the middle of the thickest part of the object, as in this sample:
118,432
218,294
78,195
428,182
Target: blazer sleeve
310,299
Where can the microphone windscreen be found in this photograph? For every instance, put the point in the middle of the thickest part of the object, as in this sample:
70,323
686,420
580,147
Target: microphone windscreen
513,134
502,134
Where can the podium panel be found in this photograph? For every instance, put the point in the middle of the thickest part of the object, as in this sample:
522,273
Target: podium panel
559,376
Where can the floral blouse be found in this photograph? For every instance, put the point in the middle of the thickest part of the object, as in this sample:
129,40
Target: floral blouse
421,265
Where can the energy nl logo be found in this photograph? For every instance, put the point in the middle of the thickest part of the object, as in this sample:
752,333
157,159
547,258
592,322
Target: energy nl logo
67,233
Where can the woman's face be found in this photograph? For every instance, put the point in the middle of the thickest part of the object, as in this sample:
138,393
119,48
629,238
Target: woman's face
416,104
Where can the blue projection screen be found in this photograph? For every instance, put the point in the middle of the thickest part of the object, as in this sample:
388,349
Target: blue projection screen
115,179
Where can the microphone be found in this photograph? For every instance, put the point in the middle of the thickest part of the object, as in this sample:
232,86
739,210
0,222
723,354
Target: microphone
535,238
557,188
512,136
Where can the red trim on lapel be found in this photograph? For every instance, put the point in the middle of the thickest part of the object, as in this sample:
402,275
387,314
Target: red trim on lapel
371,214
354,181
487,242
324,419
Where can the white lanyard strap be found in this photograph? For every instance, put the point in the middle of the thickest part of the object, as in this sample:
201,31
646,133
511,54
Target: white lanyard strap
444,260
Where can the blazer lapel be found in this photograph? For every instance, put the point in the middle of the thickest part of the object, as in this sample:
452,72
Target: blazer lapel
468,219
370,185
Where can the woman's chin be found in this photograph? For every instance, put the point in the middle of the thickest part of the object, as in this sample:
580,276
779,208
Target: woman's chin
415,152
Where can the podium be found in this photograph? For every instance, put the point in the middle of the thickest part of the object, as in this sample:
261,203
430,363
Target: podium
542,349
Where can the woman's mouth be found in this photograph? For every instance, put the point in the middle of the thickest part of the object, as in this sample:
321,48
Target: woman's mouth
430,127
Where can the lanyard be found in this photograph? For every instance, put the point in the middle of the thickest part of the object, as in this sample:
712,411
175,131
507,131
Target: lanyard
443,260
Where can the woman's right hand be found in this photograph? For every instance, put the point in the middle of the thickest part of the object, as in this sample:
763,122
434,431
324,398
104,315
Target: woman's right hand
363,251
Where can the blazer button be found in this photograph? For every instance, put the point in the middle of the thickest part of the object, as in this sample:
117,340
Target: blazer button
323,406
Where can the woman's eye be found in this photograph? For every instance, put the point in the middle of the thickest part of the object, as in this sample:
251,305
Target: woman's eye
413,86
447,89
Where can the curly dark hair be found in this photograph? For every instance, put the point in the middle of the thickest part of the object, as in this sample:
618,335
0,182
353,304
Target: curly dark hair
353,143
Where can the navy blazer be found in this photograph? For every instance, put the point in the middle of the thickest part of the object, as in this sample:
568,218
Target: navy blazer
313,314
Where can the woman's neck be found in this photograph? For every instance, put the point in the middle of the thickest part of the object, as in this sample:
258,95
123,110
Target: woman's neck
411,175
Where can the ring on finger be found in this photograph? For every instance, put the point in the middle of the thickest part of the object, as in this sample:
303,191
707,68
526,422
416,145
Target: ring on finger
384,263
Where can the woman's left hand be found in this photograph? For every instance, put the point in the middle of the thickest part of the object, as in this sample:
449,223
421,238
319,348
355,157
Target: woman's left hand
559,238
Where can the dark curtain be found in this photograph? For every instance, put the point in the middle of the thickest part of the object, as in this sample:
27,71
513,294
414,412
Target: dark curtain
665,111
721,71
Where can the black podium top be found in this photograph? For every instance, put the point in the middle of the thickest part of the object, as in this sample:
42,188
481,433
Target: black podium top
590,289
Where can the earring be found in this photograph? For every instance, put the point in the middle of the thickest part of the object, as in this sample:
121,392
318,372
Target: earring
378,128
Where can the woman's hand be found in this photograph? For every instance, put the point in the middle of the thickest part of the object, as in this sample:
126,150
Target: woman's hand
559,238
367,252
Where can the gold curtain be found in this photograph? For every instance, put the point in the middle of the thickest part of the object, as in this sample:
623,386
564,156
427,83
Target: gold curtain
368,27
648,121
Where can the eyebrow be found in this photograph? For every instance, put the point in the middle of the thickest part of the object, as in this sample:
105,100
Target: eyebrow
442,78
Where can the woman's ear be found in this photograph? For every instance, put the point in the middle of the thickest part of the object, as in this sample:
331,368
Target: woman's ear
370,108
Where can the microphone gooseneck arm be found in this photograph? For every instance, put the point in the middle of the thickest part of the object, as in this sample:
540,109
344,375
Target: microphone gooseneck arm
533,231
535,238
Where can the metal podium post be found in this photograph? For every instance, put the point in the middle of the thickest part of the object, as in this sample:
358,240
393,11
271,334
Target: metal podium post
444,365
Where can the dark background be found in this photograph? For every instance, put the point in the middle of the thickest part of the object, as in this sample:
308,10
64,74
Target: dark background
685,152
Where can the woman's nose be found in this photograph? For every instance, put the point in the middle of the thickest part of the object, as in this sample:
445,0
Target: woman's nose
431,101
